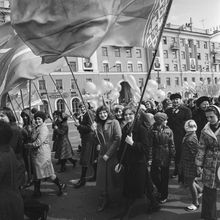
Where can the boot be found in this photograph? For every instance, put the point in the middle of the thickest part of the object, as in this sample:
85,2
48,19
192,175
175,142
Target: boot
73,161
61,186
82,180
37,192
103,202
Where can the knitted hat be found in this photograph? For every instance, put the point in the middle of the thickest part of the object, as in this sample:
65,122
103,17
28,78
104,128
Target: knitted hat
175,96
202,99
40,115
160,117
190,125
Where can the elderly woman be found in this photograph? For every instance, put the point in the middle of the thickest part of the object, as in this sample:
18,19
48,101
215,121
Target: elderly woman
11,202
208,161
41,151
109,136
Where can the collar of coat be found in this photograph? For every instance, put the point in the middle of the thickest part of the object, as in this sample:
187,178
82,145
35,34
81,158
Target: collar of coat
209,131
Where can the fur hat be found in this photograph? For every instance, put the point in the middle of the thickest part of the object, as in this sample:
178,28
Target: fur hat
40,115
175,96
159,117
202,99
190,125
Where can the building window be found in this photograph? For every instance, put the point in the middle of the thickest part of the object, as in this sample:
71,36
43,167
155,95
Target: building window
208,80
185,79
200,68
141,82
105,67
216,80
190,42
175,67
206,56
164,40
73,66
173,40
138,53
59,84
207,68
193,79
75,105
205,45
117,52
128,52
118,67
140,67
104,51
182,42
183,55
167,67
73,84
177,81
130,67
165,53
61,105
174,54
42,85
88,80
107,79
199,56
198,44
168,82
190,55
184,67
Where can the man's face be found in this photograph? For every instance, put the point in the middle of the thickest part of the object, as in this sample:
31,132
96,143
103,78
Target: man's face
176,102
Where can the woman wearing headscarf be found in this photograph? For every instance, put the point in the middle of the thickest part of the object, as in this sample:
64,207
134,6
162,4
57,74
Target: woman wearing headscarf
41,151
208,162
11,202
64,150
16,141
109,136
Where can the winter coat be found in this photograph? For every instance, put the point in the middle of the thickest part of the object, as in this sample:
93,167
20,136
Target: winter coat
11,202
109,135
41,153
87,138
64,148
162,146
208,156
190,147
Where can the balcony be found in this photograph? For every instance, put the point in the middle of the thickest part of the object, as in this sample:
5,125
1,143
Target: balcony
174,46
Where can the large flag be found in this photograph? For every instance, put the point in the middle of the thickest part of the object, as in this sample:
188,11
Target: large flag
18,63
54,29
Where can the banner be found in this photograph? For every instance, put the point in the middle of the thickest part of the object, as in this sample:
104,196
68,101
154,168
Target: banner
53,29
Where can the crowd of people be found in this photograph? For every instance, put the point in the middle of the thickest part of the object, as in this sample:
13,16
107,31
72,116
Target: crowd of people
129,149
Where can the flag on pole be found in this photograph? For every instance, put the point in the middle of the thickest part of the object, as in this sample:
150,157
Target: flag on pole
18,63
53,29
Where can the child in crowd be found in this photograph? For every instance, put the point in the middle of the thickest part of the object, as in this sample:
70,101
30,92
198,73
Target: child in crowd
187,164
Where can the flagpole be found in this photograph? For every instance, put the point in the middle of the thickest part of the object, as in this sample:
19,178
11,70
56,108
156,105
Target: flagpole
19,105
22,100
62,97
13,107
148,77
30,99
77,86
48,98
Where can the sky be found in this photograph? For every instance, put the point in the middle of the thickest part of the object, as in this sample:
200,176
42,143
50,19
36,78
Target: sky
204,13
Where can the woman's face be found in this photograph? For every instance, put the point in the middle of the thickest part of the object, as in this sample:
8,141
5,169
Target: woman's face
39,121
148,105
4,117
103,115
211,117
129,115
118,114
204,105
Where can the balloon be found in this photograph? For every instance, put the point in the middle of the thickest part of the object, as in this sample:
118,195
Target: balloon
160,95
137,97
185,85
114,95
118,87
110,86
132,82
152,84
90,87
104,86
192,85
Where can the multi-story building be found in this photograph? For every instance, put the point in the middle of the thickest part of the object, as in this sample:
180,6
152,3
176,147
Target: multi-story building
185,54
4,11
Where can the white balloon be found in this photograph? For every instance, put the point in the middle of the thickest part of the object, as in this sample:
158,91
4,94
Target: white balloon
152,84
90,87
132,82
185,85
118,87
160,95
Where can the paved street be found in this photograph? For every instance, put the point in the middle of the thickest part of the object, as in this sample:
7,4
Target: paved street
81,204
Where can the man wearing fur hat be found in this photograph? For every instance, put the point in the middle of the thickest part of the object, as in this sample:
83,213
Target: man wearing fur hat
177,116
199,115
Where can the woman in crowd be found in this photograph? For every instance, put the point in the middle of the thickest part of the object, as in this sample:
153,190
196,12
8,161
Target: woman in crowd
118,112
64,150
162,151
41,153
187,163
133,154
11,202
109,137
150,107
208,162
16,141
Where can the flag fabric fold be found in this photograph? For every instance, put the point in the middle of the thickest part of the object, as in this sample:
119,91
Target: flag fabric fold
53,29
18,63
